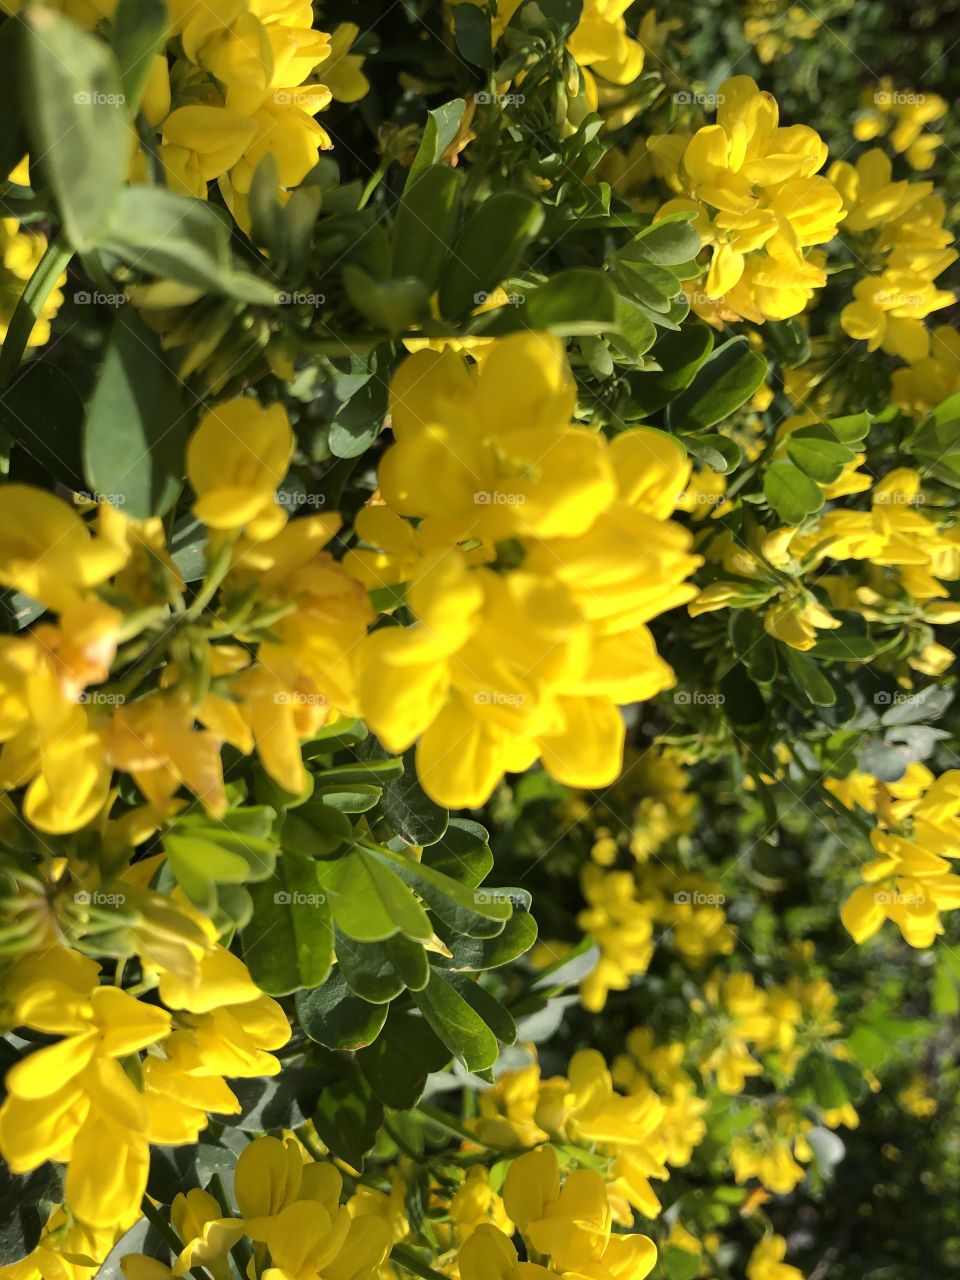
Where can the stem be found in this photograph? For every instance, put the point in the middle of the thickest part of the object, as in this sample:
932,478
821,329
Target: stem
29,306
375,179
217,569
405,1257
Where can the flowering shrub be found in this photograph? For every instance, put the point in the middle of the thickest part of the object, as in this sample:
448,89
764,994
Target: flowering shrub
479,596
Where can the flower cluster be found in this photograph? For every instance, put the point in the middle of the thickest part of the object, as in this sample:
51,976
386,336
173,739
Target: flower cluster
78,698
125,1072
541,553
897,225
760,204
910,879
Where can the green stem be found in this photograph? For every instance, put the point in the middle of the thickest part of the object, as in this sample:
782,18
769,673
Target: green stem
405,1257
217,569
375,179
31,302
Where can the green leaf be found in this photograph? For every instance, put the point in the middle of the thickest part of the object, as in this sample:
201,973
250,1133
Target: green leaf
138,468
398,1062
349,1117
810,678
821,459
462,852
439,131
457,1024
333,1016
475,954
474,912
579,301
139,33
43,413
666,243
726,380
472,32
393,305
288,945
21,1215
487,250
679,356
426,219
173,1168
370,902
78,122
368,969
176,237
414,817
791,494
315,830
359,420
488,1007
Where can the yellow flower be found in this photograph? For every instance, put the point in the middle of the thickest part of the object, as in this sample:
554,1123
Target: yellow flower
766,1261
760,204
888,312
621,925
237,456
600,41
489,1255
796,620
